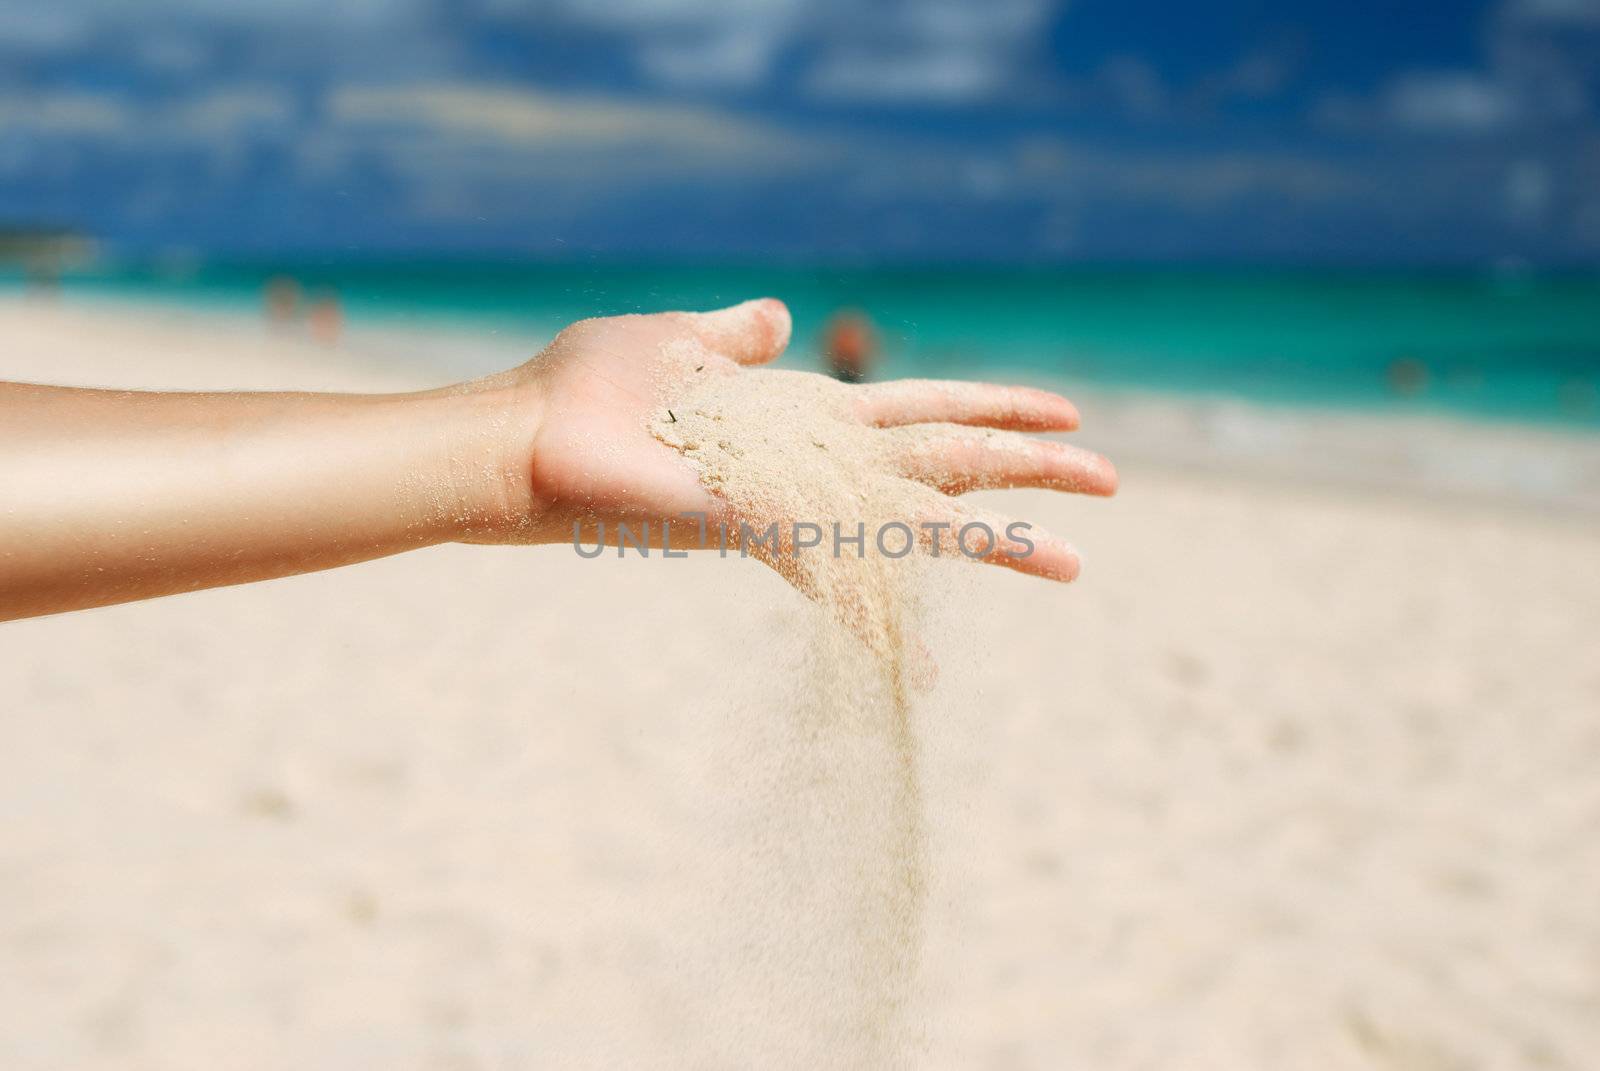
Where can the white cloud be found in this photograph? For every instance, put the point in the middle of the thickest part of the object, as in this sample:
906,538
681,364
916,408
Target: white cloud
950,75
448,150
938,51
892,51
1449,101
734,59
1132,86
519,116
1570,12
1542,69
55,24
657,14
1063,173
39,26
215,113
65,113
694,44
225,110
344,13
1196,182
887,50
171,53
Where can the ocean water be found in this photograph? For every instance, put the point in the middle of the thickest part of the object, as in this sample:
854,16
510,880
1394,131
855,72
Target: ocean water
1501,346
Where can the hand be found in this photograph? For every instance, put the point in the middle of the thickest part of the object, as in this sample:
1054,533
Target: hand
580,450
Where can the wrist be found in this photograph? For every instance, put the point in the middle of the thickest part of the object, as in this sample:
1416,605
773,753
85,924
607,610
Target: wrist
485,467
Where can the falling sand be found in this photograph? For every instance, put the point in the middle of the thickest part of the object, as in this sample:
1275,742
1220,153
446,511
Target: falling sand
777,446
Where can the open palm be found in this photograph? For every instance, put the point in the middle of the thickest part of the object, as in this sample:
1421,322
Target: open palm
598,387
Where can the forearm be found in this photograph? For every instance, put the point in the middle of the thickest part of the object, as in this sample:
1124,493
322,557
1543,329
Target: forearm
111,496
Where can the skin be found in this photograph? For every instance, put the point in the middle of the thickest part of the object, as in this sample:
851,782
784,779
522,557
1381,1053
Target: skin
112,496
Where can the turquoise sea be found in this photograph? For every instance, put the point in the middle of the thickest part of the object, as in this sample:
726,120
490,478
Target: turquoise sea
1506,346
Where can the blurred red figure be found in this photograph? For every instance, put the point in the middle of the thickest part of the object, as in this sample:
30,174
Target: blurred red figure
325,317
850,345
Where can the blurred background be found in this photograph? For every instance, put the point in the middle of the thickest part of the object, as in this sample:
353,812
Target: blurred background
1345,203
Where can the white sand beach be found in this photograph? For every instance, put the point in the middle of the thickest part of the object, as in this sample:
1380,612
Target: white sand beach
1303,773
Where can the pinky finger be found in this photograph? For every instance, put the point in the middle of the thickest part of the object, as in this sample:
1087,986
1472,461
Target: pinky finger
978,535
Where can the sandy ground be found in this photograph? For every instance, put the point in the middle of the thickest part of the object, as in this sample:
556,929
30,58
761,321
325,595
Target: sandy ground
1300,774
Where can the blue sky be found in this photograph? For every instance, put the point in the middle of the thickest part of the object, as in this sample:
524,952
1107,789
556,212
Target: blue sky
811,129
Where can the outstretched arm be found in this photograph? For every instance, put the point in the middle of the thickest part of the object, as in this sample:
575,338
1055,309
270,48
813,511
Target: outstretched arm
110,496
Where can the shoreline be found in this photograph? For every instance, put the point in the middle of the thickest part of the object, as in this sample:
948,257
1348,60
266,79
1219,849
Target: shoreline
1547,468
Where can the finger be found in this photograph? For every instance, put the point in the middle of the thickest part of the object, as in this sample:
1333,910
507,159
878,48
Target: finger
752,332
957,461
924,401
961,531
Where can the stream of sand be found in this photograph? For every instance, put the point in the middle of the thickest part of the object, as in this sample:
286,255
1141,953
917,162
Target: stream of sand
778,446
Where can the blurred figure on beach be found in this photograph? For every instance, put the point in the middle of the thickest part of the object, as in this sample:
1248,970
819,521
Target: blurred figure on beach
850,346
280,299
325,318
1408,376
43,254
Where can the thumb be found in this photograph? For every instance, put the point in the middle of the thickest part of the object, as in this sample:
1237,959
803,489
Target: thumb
752,332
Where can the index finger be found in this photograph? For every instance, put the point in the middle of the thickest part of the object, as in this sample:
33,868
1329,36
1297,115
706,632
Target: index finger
752,332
